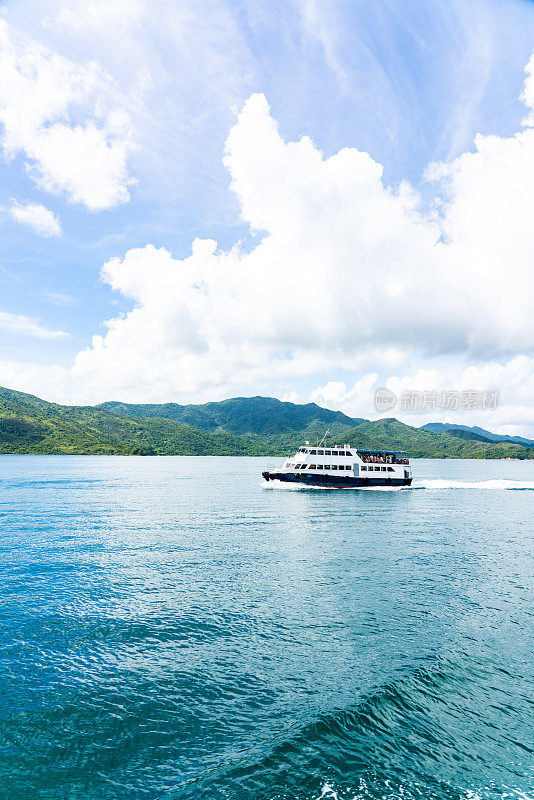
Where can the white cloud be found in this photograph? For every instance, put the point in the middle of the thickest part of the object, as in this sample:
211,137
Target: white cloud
21,324
41,219
347,266
56,113
177,71
319,22
59,299
527,95
349,274
98,15
513,379
355,402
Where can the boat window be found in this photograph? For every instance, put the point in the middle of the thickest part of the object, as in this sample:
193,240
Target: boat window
327,453
334,466
312,466
326,466
390,469
320,452
313,452
363,469
384,469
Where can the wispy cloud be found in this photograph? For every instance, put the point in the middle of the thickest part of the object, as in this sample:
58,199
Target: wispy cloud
43,221
319,23
59,299
26,326
54,112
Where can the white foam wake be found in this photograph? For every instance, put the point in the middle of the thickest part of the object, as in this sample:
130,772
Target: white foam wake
495,483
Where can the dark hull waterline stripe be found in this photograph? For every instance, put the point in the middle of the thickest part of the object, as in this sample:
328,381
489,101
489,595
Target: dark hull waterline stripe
333,480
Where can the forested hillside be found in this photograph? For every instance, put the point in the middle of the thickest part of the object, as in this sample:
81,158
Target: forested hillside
241,426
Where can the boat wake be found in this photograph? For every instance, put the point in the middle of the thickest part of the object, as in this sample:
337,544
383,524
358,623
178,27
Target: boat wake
424,483
495,483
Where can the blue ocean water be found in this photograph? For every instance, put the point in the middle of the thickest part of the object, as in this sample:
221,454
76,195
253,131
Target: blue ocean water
174,628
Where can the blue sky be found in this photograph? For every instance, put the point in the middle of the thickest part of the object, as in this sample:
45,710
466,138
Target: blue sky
162,84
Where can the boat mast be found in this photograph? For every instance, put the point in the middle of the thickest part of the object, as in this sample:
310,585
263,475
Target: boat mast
324,437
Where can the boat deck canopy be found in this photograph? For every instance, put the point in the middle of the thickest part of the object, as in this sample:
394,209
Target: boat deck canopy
382,452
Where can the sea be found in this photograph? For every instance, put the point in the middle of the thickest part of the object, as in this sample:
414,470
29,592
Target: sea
173,627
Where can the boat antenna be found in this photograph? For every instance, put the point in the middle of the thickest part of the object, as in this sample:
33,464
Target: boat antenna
324,437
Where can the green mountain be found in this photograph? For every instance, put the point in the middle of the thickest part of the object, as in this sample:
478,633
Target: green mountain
31,425
390,434
263,416
241,426
476,433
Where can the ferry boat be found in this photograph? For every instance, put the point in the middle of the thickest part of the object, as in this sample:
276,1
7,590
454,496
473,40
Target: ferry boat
343,466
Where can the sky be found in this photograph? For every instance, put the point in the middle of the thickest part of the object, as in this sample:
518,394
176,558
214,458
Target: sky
301,199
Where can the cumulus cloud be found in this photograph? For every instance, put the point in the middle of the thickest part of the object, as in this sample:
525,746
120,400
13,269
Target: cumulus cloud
56,114
512,379
345,273
21,324
36,216
355,401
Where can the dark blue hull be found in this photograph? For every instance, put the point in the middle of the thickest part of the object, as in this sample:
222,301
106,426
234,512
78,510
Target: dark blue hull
335,481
